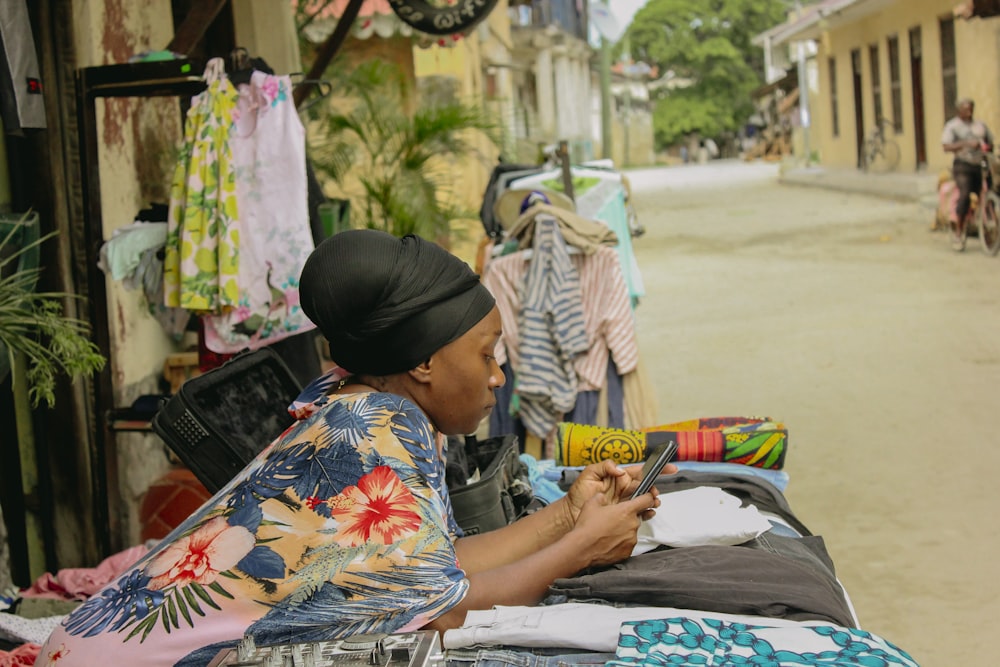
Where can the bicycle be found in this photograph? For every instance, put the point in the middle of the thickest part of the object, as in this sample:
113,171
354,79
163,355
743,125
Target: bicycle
880,153
983,215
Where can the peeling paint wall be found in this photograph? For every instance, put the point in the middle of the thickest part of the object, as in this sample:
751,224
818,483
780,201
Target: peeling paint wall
137,152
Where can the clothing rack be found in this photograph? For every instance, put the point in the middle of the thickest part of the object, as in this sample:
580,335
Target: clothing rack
168,78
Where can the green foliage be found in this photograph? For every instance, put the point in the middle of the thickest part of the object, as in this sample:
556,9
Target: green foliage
707,42
688,111
33,324
396,167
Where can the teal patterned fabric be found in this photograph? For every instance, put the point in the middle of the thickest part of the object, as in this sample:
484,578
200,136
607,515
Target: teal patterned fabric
717,643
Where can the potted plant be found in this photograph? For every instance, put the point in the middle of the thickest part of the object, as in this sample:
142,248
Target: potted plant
394,164
33,324
37,344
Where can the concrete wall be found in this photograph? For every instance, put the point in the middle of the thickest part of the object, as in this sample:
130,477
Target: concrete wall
464,63
978,77
265,28
484,55
640,144
137,152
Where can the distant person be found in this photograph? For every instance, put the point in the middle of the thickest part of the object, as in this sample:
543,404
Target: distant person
712,147
977,9
685,156
702,155
969,140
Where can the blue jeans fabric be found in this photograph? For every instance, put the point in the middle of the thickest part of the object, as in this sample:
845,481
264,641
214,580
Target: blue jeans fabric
523,657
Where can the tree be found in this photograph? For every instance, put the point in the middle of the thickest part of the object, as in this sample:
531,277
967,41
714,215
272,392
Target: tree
708,43
395,165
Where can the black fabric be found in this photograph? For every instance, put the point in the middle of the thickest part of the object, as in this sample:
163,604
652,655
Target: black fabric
301,355
316,197
760,581
969,179
157,212
501,493
386,304
457,463
490,223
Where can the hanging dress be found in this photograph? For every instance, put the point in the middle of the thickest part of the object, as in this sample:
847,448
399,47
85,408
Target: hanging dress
239,232
269,163
202,246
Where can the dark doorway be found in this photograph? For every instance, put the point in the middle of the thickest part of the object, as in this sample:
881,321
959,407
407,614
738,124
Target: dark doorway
859,111
949,67
917,79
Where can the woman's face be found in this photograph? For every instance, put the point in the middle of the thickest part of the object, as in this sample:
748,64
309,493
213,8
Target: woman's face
464,375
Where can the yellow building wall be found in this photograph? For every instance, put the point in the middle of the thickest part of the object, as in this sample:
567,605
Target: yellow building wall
467,61
976,46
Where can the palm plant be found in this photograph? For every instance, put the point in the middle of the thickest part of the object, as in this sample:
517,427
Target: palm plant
395,166
33,324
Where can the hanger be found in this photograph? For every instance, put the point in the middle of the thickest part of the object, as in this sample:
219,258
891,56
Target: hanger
242,65
497,251
323,86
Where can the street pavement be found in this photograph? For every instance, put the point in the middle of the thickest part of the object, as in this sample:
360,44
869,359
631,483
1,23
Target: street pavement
841,314
918,187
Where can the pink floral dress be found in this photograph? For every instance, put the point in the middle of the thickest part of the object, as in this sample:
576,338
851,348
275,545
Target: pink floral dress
341,526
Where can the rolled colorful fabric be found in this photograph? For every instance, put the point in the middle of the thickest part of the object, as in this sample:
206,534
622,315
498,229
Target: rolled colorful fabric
580,444
752,441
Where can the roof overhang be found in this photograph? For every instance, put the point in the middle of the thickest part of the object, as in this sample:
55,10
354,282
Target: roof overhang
786,84
818,18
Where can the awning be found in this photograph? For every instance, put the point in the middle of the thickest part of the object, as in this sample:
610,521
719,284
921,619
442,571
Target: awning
822,16
375,19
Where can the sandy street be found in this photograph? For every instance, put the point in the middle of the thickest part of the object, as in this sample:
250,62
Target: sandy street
877,345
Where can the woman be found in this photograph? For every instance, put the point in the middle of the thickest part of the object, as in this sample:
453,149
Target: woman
343,524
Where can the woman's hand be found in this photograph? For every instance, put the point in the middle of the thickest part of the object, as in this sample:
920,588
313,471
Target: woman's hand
614,483
609,529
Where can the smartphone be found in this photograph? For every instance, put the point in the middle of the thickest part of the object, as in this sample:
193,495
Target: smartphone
653,465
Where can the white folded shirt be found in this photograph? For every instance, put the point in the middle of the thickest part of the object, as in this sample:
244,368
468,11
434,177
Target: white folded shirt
700,516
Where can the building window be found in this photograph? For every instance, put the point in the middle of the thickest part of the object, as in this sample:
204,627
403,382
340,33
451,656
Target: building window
894,85
490,86
834,118
949,72
876,83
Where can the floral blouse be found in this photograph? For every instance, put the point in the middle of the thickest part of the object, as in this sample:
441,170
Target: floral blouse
341,526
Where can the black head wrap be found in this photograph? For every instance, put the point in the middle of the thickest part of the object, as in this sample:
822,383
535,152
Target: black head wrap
386,304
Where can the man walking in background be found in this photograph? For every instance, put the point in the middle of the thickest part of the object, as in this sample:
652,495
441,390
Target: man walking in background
969,140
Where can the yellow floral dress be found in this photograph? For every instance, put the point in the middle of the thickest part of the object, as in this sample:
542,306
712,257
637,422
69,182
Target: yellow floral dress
341,526
201,259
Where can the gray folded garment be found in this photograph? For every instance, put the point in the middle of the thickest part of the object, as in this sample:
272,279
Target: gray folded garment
771,576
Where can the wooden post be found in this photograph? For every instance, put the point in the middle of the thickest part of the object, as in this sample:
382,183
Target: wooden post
327,51
567,174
